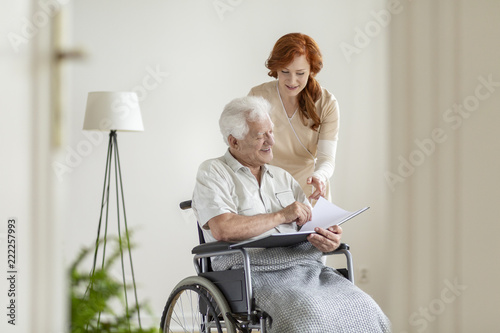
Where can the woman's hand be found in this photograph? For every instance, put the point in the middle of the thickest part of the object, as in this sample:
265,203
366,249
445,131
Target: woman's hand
319,186
326,240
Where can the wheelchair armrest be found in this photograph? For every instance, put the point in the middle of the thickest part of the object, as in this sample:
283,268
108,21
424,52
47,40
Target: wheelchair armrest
203,253
223,246
185,204
342,247
211,247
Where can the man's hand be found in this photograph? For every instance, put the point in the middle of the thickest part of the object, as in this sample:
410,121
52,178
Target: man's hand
297,212
326,240
230,227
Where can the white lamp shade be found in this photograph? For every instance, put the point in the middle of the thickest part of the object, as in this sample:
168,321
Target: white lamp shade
113,111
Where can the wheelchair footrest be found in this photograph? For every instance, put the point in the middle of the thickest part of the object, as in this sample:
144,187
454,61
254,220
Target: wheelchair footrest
245,323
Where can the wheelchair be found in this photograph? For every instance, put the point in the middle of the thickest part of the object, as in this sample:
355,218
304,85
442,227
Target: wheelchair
221,301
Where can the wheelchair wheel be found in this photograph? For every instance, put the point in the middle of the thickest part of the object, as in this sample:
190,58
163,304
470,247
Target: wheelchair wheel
196,305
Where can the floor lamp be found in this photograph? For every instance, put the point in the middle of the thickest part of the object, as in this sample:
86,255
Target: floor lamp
114,111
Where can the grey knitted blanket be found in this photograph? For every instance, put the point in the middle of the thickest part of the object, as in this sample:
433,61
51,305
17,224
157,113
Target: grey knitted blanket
302,295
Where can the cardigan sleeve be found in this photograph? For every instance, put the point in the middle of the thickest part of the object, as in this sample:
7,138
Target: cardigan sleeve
328,136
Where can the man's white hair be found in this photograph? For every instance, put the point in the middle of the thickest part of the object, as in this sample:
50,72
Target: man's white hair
236,114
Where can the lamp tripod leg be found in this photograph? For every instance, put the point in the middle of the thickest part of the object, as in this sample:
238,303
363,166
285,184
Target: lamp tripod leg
119,194
113,153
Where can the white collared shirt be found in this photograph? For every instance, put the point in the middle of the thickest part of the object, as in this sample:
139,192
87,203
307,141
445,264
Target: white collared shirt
224,185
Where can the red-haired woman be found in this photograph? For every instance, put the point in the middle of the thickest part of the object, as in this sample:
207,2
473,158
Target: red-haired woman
305,115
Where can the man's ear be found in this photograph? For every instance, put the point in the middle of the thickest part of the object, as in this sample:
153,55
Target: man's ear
233,142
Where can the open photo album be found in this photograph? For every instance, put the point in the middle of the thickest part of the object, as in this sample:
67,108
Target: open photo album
324,215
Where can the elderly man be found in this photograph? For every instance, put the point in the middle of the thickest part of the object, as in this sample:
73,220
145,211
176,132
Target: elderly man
239,196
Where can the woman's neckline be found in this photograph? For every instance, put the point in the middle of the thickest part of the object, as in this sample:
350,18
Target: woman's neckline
283,105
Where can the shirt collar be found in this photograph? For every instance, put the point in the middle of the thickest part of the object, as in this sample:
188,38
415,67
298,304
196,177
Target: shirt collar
235,165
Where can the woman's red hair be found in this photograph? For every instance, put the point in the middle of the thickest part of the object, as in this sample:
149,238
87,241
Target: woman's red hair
285,50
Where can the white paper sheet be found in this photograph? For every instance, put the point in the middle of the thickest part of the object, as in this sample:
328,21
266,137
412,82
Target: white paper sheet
326,214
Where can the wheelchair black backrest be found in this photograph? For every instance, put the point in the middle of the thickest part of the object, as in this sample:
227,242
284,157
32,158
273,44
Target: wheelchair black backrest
187,205
201,238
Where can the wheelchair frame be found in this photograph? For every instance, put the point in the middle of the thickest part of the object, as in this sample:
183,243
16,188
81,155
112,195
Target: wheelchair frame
225,298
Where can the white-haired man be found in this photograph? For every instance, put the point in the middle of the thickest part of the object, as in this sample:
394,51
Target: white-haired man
239,196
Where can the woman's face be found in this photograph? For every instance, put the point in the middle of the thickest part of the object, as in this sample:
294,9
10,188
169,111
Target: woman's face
293,78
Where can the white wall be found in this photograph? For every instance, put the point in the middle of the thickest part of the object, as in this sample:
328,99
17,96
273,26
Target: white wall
205,60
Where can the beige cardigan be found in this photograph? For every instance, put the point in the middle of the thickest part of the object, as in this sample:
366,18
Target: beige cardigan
298,149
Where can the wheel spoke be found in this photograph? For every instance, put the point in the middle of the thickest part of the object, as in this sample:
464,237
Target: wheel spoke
195,306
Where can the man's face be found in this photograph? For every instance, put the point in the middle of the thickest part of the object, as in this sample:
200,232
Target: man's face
255,149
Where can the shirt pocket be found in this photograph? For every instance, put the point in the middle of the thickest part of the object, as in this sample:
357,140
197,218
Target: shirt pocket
285,198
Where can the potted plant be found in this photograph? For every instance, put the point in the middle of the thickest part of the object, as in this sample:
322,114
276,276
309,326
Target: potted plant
97,300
